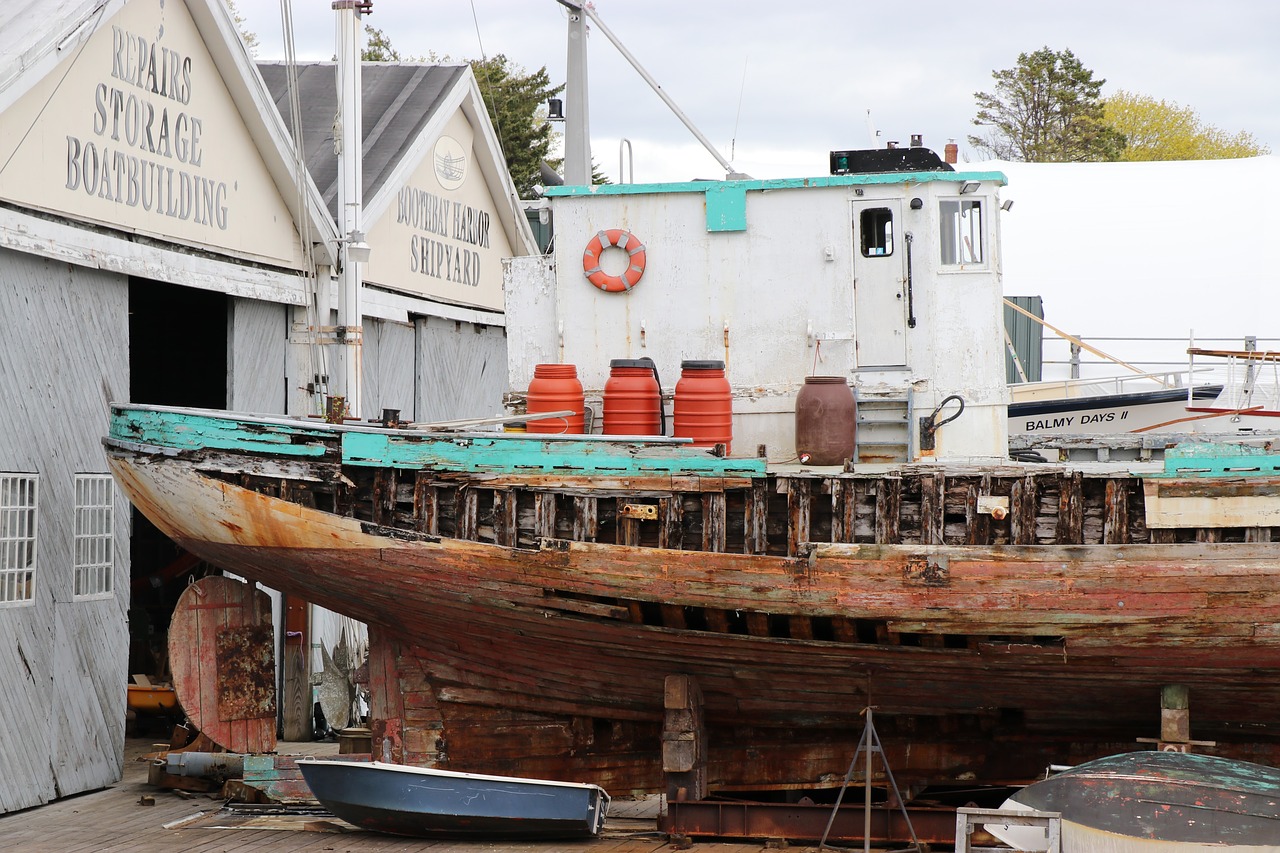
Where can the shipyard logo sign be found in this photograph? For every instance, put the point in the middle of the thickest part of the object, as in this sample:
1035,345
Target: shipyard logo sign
450,163
146,147
445,232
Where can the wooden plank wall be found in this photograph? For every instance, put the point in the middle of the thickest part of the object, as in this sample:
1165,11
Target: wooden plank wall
461,370
257,333
62,662
388,368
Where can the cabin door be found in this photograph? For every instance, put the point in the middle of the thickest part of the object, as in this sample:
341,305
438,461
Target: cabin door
879,284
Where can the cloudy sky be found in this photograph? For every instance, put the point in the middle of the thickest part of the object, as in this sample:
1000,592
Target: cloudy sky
776,85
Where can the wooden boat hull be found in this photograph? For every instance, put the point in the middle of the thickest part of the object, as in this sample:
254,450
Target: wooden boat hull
520,615
1184,803
417,801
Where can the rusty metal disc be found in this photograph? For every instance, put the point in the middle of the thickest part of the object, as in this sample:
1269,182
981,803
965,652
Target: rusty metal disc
221,656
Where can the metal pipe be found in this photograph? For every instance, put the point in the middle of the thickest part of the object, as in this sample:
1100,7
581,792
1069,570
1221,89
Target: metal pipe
218,764
576,5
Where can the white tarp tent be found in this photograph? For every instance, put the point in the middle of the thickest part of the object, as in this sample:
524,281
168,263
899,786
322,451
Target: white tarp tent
1144,250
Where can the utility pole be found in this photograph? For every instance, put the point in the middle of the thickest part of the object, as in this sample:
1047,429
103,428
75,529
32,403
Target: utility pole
355,251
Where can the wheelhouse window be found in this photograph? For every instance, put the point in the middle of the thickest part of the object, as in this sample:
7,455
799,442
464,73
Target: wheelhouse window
961,232
94,555
876,226
18,517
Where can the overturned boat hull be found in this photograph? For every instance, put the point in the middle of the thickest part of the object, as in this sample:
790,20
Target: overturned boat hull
1178,802
420,801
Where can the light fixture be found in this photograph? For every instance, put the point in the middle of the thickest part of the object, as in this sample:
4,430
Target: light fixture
1006,205
358,250
917,203
969,187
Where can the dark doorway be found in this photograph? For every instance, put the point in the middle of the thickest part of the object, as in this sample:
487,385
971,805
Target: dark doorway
177,357
177,345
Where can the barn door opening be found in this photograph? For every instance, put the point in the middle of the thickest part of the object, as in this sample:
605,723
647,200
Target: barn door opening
177,357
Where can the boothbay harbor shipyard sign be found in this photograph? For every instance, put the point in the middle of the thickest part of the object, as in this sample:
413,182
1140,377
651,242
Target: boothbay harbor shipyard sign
137,130
441,226
439,235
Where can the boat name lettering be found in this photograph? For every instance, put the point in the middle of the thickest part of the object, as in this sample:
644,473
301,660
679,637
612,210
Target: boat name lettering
127,121
1069,420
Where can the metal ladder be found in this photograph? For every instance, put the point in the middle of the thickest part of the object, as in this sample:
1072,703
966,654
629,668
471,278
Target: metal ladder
883,432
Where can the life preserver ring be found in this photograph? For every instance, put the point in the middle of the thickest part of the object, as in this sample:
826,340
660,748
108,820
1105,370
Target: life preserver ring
627,242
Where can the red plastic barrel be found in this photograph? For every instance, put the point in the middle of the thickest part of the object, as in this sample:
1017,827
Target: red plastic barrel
704,404
825,421
632,398
555,388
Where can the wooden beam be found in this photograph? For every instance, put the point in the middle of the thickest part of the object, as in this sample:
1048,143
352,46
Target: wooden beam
1115,517
757,520
1070,509
933,498
844,509
671,522
1023,509
425,505
684,740
888,511
713,521
799,500
585,522
977,524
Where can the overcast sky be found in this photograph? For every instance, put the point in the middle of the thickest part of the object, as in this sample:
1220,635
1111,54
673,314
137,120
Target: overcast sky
776,85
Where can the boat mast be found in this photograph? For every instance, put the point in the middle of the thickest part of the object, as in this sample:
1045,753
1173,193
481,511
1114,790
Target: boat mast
577,142
355,252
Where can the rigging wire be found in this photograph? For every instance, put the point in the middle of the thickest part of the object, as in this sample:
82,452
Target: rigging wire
733,142
319,370
484,65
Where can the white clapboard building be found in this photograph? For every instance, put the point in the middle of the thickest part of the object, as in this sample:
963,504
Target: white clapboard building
152,249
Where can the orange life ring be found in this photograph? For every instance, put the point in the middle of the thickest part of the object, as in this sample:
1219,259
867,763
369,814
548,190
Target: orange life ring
627,242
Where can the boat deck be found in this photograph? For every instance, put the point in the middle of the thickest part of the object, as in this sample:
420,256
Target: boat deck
114,820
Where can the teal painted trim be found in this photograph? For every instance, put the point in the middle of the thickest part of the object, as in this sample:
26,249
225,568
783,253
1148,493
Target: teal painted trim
727,208
779,183
527,455
192,431
1219,459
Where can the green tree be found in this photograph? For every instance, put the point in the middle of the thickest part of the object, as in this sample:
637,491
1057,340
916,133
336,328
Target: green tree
1046,109
517,104
377,47
1161,130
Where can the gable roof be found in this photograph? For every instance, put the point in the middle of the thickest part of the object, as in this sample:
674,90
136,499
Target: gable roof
397,102
404,105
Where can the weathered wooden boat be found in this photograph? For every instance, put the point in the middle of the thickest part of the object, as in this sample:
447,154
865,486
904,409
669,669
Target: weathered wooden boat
648,615
1171,801
531,594
422,801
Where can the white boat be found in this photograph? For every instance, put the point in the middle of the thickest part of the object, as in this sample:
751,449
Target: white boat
1246,400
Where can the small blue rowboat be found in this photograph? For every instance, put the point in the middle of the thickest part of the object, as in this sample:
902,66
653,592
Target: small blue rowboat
421,801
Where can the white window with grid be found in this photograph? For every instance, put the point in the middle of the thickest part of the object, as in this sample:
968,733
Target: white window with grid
95,535
18,517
